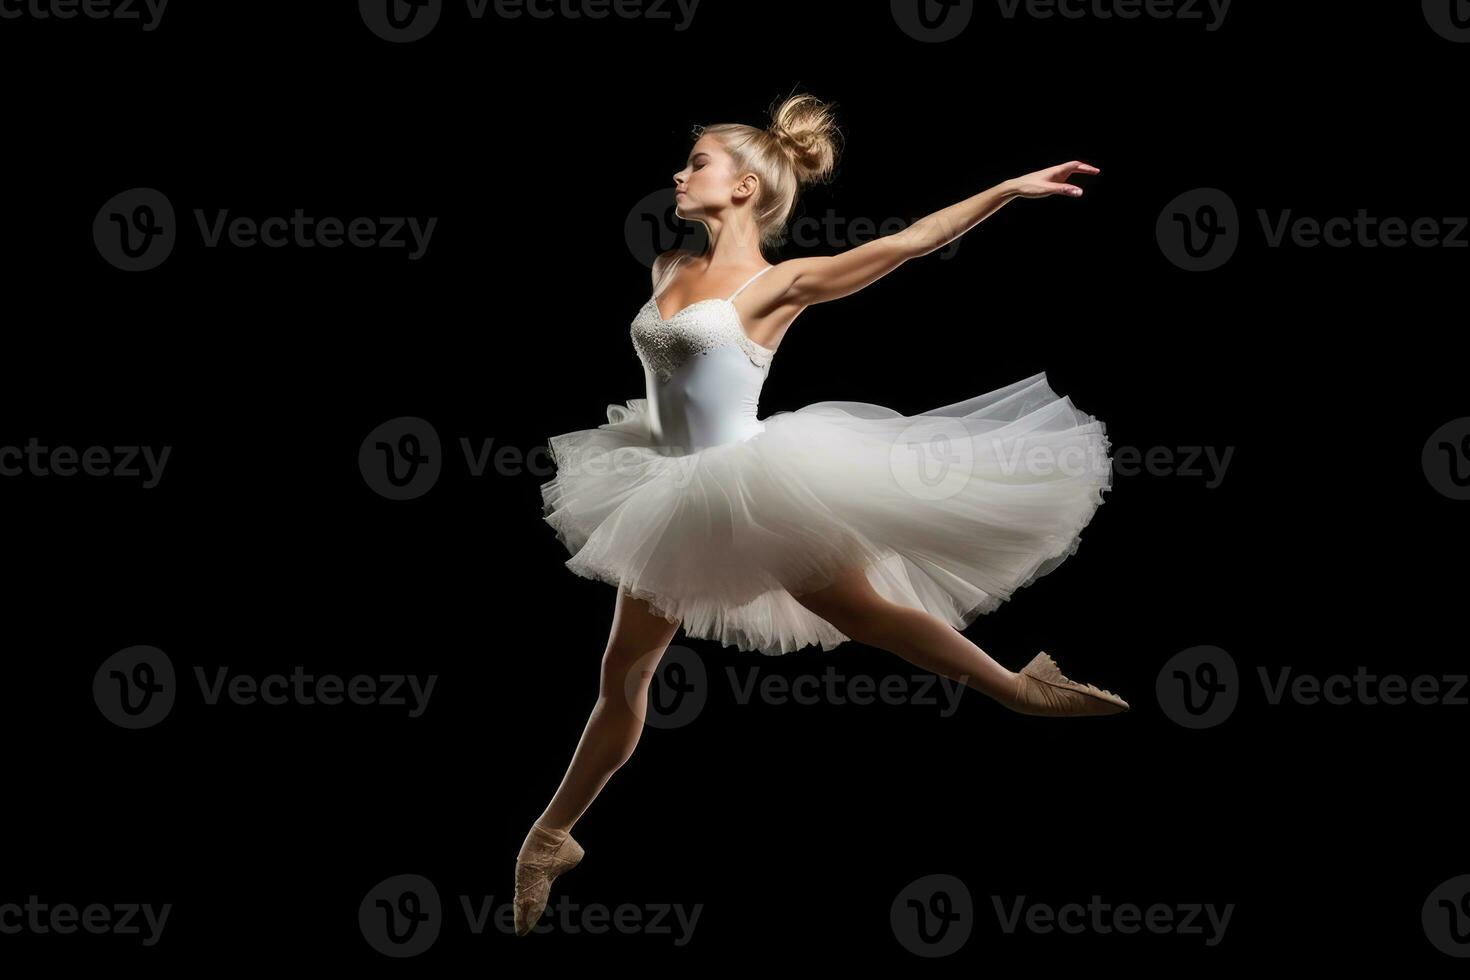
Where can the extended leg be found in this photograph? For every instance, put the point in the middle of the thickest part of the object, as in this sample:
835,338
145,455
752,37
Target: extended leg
851,605
1039,688
639,638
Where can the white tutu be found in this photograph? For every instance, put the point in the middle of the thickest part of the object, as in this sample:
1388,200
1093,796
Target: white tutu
950,511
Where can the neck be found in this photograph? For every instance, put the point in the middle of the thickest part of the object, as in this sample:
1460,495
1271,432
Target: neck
733,244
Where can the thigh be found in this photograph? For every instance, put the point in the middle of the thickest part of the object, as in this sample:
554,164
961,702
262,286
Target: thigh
847,603
638,637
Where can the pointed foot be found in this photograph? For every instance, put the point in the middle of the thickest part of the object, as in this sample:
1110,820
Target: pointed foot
1042,689
545,856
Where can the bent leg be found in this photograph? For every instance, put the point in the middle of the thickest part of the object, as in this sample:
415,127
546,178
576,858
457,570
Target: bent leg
635,646
854,607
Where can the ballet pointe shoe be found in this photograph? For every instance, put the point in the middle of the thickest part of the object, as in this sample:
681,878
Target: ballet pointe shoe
1042,689
544,855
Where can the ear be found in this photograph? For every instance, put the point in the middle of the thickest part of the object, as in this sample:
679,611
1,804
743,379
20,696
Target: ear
747,186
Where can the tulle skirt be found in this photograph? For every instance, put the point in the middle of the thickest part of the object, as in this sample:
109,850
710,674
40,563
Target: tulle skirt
950,511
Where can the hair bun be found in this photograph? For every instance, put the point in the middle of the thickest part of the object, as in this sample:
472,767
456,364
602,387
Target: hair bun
804,127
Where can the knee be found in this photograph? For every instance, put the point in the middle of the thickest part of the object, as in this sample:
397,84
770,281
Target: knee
625,666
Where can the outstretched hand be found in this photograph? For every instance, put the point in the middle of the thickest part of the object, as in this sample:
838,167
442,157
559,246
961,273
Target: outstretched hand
1052,180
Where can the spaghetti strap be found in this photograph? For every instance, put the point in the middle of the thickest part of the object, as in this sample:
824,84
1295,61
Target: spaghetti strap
749,281
668,274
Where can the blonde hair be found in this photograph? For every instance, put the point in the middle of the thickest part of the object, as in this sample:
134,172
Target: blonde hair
798,148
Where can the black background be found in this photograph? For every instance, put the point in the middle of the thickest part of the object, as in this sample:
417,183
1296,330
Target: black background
1324,547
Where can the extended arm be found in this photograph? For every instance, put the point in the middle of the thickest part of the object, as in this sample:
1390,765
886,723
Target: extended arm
817,279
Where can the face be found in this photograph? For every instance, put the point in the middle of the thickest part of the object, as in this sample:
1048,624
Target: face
708,183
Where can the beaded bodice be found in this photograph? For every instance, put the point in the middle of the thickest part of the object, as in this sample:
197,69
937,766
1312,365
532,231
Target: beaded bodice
702,373
665,345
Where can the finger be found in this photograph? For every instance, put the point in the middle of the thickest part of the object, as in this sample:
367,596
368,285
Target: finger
1069,190
1077,166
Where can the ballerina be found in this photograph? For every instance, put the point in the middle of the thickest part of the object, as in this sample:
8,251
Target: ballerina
836,521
